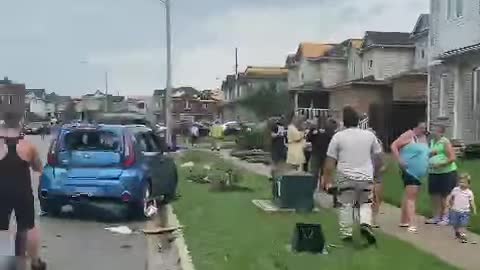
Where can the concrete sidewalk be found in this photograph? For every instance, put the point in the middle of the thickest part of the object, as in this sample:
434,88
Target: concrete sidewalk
437,240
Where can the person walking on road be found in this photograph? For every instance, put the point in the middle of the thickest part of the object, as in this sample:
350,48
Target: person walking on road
350,152
216,135
442,176
17,156
412,154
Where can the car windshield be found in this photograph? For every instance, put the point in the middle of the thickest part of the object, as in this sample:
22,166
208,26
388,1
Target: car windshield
86,140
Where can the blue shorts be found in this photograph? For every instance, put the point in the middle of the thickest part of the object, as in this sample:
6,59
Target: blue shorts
459,219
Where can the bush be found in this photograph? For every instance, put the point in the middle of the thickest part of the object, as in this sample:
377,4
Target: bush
472,151
252,139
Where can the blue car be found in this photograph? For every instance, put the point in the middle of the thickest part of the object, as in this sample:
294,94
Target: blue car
115,163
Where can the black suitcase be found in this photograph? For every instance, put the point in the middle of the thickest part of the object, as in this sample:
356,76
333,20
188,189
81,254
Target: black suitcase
294,191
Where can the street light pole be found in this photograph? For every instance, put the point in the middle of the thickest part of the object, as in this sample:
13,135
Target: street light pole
168,91
106,91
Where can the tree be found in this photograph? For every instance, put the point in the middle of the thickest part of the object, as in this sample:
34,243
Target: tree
267,102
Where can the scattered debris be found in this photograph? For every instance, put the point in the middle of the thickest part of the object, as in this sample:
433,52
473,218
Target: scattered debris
120,230
161,230
151,211
187,165
126,246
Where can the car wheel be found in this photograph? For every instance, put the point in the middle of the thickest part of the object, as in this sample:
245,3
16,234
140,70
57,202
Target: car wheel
140,209
50,207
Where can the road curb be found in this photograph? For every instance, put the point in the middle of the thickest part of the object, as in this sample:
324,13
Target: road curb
154,258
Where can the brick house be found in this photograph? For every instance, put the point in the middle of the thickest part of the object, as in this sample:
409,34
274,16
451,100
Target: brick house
454,69
189,105
12,98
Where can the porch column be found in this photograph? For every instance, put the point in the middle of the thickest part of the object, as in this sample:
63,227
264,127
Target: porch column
295,101
456,100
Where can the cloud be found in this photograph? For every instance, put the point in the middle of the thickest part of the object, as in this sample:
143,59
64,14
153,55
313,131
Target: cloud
266,34
44,44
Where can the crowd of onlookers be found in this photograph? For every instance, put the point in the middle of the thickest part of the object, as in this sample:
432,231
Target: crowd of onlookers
341,154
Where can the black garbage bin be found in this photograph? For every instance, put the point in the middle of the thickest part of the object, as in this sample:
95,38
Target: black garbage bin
294,191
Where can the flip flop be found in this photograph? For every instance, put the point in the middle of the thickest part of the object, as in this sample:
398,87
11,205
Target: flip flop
403,225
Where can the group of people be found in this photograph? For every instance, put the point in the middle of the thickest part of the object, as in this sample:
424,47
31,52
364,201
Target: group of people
452,200
350,161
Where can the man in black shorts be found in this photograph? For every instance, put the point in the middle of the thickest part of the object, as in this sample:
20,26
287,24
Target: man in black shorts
17,156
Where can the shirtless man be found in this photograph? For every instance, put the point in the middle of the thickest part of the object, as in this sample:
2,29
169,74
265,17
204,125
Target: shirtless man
17,156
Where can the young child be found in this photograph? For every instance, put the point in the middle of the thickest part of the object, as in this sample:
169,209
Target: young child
462,203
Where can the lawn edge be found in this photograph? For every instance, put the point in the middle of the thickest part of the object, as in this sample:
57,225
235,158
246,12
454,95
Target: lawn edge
186,262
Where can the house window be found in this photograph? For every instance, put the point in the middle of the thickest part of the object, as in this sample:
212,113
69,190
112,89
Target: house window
454,9
476,89
205,106
423,54
370,64
188,106
459,8
442,96
10,100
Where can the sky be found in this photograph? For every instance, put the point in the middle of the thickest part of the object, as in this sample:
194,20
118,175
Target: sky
68,46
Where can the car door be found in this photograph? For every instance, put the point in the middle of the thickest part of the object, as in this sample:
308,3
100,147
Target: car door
165,181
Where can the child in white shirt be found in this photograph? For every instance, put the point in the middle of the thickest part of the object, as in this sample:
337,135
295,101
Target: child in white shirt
462,203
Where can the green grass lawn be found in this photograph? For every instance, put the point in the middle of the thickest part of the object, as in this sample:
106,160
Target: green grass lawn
226,231
393,187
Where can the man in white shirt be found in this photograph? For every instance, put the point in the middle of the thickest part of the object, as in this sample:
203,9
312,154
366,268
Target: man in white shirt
350,152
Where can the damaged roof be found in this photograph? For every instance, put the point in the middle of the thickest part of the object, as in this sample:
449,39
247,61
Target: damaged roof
387,39
312,50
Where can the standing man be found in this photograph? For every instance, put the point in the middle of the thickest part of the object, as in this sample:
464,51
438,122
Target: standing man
278,146
350,153
194,134
320,139
17,156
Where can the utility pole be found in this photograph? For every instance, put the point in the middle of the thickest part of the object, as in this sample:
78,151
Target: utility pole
168,91
236,72
106,91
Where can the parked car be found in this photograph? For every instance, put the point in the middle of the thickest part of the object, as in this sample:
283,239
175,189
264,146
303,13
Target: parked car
123,164
33,128
231,128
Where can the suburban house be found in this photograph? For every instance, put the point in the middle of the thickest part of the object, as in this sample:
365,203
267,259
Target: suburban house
37,105
188,105
60,103
253,79
454,68
311,70
100,102
12,98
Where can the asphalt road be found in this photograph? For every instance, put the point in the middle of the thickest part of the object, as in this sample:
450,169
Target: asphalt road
78,242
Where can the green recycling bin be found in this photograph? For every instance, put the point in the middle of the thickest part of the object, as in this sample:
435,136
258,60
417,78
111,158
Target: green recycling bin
294,191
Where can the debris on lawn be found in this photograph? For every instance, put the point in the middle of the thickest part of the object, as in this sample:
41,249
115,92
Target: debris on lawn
120,230
187,165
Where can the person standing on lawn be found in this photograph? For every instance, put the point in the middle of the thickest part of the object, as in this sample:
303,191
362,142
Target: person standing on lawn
278,146
194,134
350,152
216,134
296,144
412,154
442,176
462,204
